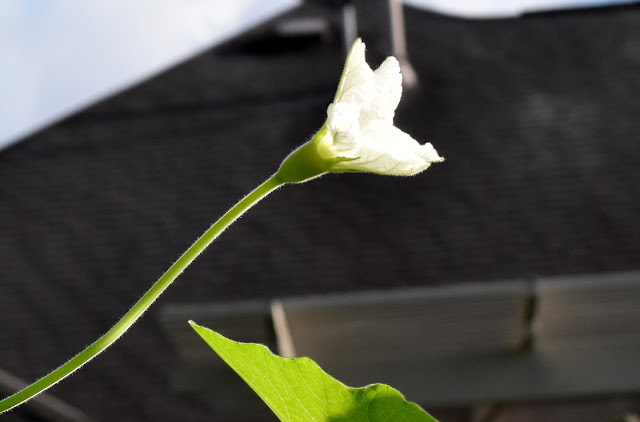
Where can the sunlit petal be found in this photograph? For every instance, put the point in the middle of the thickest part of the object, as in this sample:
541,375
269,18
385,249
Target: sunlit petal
357,82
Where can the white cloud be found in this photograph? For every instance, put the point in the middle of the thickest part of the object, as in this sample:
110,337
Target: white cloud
58,56
503,8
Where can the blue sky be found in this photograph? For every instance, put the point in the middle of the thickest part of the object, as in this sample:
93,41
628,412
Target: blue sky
57,56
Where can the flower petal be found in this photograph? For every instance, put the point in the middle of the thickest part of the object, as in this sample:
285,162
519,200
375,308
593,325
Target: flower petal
342,121
385,149
356,84
388,90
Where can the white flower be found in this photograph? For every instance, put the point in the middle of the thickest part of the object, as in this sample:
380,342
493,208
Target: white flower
359,134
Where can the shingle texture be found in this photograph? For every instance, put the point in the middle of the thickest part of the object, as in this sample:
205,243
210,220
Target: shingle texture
537,117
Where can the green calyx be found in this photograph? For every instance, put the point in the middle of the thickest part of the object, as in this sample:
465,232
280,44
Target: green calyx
306,162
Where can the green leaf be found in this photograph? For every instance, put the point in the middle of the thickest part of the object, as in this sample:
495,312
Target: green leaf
299,390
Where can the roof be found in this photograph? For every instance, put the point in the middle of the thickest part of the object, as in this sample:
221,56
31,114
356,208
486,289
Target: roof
537,118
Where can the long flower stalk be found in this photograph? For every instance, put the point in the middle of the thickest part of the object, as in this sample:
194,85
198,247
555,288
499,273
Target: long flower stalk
145,301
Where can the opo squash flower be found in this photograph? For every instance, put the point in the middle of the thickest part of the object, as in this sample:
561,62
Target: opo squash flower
359,134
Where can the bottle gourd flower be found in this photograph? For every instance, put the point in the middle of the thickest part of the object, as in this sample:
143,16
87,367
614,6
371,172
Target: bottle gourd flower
359,134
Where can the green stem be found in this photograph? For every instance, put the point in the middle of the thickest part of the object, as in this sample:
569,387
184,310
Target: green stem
149,297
